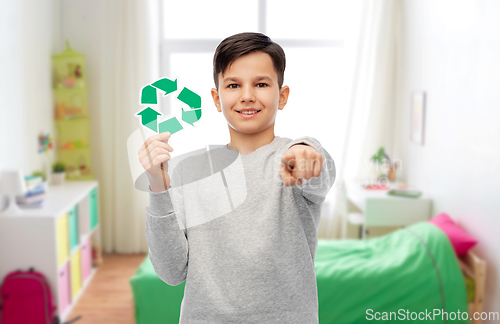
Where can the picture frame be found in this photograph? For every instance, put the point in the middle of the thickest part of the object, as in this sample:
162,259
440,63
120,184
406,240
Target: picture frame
417,117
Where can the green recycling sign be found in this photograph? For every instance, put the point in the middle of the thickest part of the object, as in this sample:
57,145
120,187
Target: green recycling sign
149,116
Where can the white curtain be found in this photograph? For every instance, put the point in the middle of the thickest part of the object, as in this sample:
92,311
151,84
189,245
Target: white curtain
370,124
128,62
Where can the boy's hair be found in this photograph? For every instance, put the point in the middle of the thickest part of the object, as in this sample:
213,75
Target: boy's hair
241,44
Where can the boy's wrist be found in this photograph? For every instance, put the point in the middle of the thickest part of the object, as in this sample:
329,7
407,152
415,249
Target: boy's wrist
157,189
160,203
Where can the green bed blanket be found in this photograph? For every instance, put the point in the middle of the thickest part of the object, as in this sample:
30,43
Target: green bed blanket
407,272
411,272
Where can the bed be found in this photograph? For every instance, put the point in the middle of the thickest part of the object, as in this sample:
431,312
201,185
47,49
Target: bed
412,269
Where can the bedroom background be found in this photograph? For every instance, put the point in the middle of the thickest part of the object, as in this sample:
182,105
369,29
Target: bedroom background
388,50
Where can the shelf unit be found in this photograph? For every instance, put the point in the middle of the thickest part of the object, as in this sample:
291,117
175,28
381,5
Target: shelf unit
56,240
72,123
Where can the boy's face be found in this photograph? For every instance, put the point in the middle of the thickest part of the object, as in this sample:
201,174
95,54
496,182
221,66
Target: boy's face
250,82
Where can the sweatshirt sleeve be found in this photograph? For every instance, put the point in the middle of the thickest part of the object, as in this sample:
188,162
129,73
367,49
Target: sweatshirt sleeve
168,243
316,189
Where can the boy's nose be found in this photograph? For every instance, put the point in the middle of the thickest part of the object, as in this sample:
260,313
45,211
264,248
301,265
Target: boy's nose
247,95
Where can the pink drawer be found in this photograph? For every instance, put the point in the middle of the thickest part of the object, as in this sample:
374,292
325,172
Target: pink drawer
64,288
86,255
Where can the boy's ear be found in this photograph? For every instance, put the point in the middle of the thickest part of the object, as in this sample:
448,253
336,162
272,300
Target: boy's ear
284,92
216,98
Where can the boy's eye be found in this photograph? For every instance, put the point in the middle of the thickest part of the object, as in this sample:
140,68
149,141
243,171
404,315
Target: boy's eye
262,85
232,86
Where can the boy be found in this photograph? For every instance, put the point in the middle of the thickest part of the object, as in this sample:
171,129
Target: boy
254,264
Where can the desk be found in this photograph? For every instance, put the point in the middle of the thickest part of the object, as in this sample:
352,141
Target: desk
375,208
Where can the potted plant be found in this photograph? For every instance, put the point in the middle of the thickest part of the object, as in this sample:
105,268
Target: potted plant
387,167
58,173
377,167
39,173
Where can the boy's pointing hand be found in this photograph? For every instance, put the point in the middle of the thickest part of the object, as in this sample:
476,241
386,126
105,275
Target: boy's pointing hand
300,161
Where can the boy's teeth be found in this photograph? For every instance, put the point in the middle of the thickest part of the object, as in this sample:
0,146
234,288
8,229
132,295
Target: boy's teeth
249,112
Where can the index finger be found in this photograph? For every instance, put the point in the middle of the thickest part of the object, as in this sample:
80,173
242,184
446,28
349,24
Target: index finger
157,137
287,157
288,161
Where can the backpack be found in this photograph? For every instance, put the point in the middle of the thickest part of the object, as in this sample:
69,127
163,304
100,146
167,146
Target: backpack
26,298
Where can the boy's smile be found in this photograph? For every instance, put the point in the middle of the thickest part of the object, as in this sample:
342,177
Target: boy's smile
249,84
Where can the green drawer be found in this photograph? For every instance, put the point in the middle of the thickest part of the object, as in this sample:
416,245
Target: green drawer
74,237
94,208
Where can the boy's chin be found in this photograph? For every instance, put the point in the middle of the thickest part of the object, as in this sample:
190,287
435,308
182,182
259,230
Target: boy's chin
250,129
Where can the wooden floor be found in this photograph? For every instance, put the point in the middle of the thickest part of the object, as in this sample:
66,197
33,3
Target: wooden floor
108,297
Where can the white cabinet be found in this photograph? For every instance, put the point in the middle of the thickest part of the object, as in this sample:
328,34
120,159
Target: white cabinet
56,240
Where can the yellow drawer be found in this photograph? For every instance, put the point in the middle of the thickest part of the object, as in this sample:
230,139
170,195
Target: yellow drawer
76,273
62,234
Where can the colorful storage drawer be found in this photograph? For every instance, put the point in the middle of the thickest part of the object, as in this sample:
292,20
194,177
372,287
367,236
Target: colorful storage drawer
64,288
84,215
86,258
74,234
62,235
76,273
94,208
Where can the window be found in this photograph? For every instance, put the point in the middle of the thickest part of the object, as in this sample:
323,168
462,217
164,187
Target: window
316,36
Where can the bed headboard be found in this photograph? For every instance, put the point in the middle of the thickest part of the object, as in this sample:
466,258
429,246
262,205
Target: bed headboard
475,268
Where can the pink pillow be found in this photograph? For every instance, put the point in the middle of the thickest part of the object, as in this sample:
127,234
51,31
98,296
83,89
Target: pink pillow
460,240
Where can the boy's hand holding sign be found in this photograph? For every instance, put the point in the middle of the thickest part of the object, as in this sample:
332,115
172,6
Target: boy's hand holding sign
152,154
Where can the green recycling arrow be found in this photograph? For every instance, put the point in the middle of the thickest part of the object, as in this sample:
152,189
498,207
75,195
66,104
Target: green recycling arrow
171,125
166,85
149,118
191,116
148,95
190,98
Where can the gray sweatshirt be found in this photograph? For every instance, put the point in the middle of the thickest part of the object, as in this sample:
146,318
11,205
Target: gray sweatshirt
246,252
